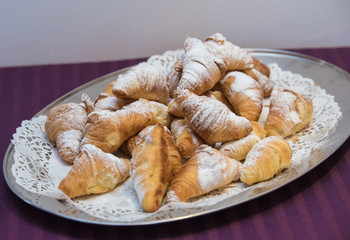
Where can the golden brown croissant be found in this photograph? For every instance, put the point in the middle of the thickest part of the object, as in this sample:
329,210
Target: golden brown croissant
266,159
289,113
142,81
239,149
212,120
263,80
206,170
201,70
155,160
187,141
108,130
94,172
234,57
244,93
64,126
258,65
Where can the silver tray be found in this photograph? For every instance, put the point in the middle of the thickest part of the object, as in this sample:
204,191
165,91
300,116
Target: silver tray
333,79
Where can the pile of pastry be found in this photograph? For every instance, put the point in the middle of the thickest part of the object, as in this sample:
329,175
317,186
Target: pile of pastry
182,135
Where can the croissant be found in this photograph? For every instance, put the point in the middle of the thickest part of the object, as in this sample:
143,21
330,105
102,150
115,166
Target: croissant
289,113
187,141
263,80
142,81
234,57
201,70
212,120
239,149
94,172
155,160
206,170
64,126
244,93
108,130
266,159
258,65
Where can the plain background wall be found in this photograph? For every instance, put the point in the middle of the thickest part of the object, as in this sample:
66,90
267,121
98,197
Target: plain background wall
65,31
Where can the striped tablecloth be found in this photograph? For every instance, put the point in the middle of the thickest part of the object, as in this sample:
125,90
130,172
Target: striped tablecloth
316,206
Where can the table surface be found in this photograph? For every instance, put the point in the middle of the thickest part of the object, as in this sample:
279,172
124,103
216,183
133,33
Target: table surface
315,206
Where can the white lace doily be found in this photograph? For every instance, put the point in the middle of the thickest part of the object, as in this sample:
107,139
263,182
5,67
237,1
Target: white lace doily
38,169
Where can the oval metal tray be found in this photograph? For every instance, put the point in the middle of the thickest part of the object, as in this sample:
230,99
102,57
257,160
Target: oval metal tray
333,79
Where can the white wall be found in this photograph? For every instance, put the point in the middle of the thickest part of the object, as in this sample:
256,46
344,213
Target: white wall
64,31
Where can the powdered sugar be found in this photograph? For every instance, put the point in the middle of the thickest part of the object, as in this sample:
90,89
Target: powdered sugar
121,165
68,143
212,120
210,169
172,197
70,139
138,185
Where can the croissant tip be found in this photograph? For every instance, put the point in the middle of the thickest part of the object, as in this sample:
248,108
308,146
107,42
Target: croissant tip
62,186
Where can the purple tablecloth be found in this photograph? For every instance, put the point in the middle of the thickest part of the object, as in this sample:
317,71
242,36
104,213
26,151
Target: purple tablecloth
316,206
